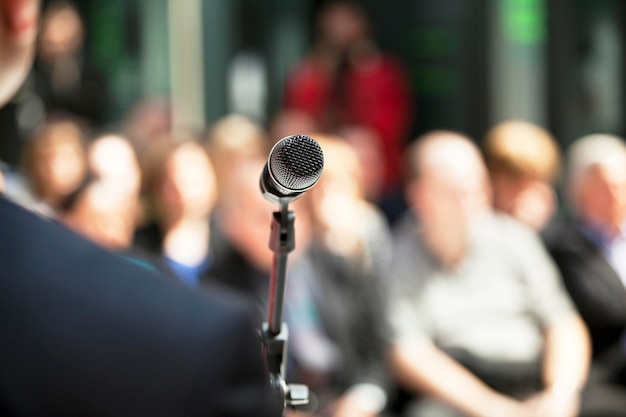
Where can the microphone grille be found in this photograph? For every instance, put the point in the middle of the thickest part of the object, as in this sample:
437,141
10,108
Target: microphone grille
296,162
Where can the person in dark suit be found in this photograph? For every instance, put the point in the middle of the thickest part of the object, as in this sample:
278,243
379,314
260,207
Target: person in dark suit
589,246
84,332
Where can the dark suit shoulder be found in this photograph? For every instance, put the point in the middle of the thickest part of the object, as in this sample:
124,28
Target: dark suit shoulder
593,284
563,234
86,332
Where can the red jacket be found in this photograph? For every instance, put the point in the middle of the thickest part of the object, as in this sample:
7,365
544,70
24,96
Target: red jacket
374,94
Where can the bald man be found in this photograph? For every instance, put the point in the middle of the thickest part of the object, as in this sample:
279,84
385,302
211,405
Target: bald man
483,327
84,332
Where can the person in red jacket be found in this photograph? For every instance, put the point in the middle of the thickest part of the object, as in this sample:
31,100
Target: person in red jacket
347,80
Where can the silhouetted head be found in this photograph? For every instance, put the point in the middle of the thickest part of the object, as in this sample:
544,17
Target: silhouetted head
18,31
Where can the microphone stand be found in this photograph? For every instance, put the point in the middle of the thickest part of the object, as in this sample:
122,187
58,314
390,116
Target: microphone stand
275,332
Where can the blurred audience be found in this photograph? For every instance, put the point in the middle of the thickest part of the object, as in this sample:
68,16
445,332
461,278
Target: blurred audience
55,164
367,147
243,261
588,244
64,78
524,162
483,326
179,179
98,211
347,79
233,140
335,299
112,159
148,120
343,221
104,207
289,122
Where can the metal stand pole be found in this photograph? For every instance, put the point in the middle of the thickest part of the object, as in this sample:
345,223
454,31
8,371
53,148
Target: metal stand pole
275,332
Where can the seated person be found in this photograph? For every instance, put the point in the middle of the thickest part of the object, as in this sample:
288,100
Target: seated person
242,261
181,189
588,245
332,306
335,299
55,163
523,162
483,327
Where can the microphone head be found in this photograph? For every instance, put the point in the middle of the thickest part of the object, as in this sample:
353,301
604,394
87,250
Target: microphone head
294,165
296,162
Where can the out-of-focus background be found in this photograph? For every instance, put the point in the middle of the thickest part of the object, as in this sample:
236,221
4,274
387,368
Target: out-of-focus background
144,125
470,63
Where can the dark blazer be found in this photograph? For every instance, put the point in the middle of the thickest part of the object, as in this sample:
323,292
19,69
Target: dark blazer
593,284
84,332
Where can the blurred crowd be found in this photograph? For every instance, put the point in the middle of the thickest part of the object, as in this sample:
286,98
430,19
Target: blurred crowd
434,276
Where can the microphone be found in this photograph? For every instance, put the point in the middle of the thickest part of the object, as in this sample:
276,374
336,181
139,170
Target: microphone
294,165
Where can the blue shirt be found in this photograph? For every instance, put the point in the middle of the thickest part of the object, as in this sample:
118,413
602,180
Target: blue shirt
190,274
613,248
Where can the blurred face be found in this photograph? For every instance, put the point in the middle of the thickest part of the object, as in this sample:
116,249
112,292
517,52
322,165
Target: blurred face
369,153
335,196
18,30
102,216
113,160
444,202
341,26
63,167
506,189
532,202
61,33
246,216
190,188
451,192
147,121
602,195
